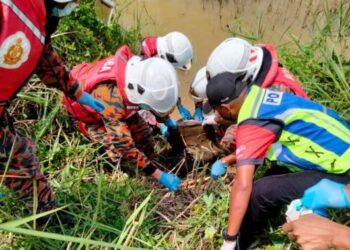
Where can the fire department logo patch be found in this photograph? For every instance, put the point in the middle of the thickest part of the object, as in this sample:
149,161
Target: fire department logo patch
14,51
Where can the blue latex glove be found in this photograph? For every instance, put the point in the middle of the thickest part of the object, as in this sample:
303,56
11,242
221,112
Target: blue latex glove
321,212
171,123
218,169
90,101
164,130
325,194
171,181
185,114
198,115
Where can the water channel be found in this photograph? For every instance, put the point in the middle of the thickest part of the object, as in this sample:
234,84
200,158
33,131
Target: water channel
208,22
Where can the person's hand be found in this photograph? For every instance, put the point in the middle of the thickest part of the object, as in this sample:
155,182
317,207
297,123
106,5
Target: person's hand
228,245
185,114
164,130
198,115
220,120
90,101
325,194
218,169
314,232
170,181
171,123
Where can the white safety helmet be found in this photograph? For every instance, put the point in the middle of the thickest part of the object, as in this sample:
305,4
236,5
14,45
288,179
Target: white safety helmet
235,55
152,83
199,85
176,48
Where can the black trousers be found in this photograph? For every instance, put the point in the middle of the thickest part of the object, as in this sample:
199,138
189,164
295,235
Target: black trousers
272,193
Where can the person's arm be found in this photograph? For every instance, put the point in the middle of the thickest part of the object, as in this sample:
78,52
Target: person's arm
229,159
239,197
119,137
53,73
117,131
253,138
315,232
219,120
326,194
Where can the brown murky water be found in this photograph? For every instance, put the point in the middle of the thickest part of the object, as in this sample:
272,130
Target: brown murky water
208,22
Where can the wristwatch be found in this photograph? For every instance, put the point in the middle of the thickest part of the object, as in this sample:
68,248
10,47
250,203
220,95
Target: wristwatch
229,237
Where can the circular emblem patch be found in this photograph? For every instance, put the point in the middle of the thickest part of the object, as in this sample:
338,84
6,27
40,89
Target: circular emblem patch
14,51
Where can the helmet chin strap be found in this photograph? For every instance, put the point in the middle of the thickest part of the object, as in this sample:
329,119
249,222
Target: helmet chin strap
243,85
249,81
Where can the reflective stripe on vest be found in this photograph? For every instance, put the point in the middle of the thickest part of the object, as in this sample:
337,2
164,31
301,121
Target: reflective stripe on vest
313,137
22,41
24,19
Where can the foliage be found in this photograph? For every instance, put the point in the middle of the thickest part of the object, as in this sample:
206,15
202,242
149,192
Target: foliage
324,74
322,64
110,207
82,37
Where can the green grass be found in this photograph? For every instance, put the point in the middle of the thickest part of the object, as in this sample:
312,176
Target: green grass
114,210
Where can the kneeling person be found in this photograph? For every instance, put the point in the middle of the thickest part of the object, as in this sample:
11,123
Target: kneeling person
126,83
309,140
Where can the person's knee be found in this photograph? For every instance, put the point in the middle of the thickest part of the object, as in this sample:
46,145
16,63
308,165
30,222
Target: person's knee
24,160
263,192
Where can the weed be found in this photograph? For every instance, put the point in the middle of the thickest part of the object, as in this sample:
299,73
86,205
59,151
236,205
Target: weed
111,209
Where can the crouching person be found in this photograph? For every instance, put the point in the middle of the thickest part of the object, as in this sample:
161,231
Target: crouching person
176,48
125,84
26,29
307,140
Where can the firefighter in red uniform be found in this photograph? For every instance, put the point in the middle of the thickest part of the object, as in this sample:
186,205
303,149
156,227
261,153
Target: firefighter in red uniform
25,48
174,47
257,65
125,84
177,49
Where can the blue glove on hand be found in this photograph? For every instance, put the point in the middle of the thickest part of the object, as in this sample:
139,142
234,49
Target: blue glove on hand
164,130
185,114
321,212
90,101
171,123
325,194
171,181
198,115
218,169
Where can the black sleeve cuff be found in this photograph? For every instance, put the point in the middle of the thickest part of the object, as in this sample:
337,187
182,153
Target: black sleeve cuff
229,237
149,169
71,92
